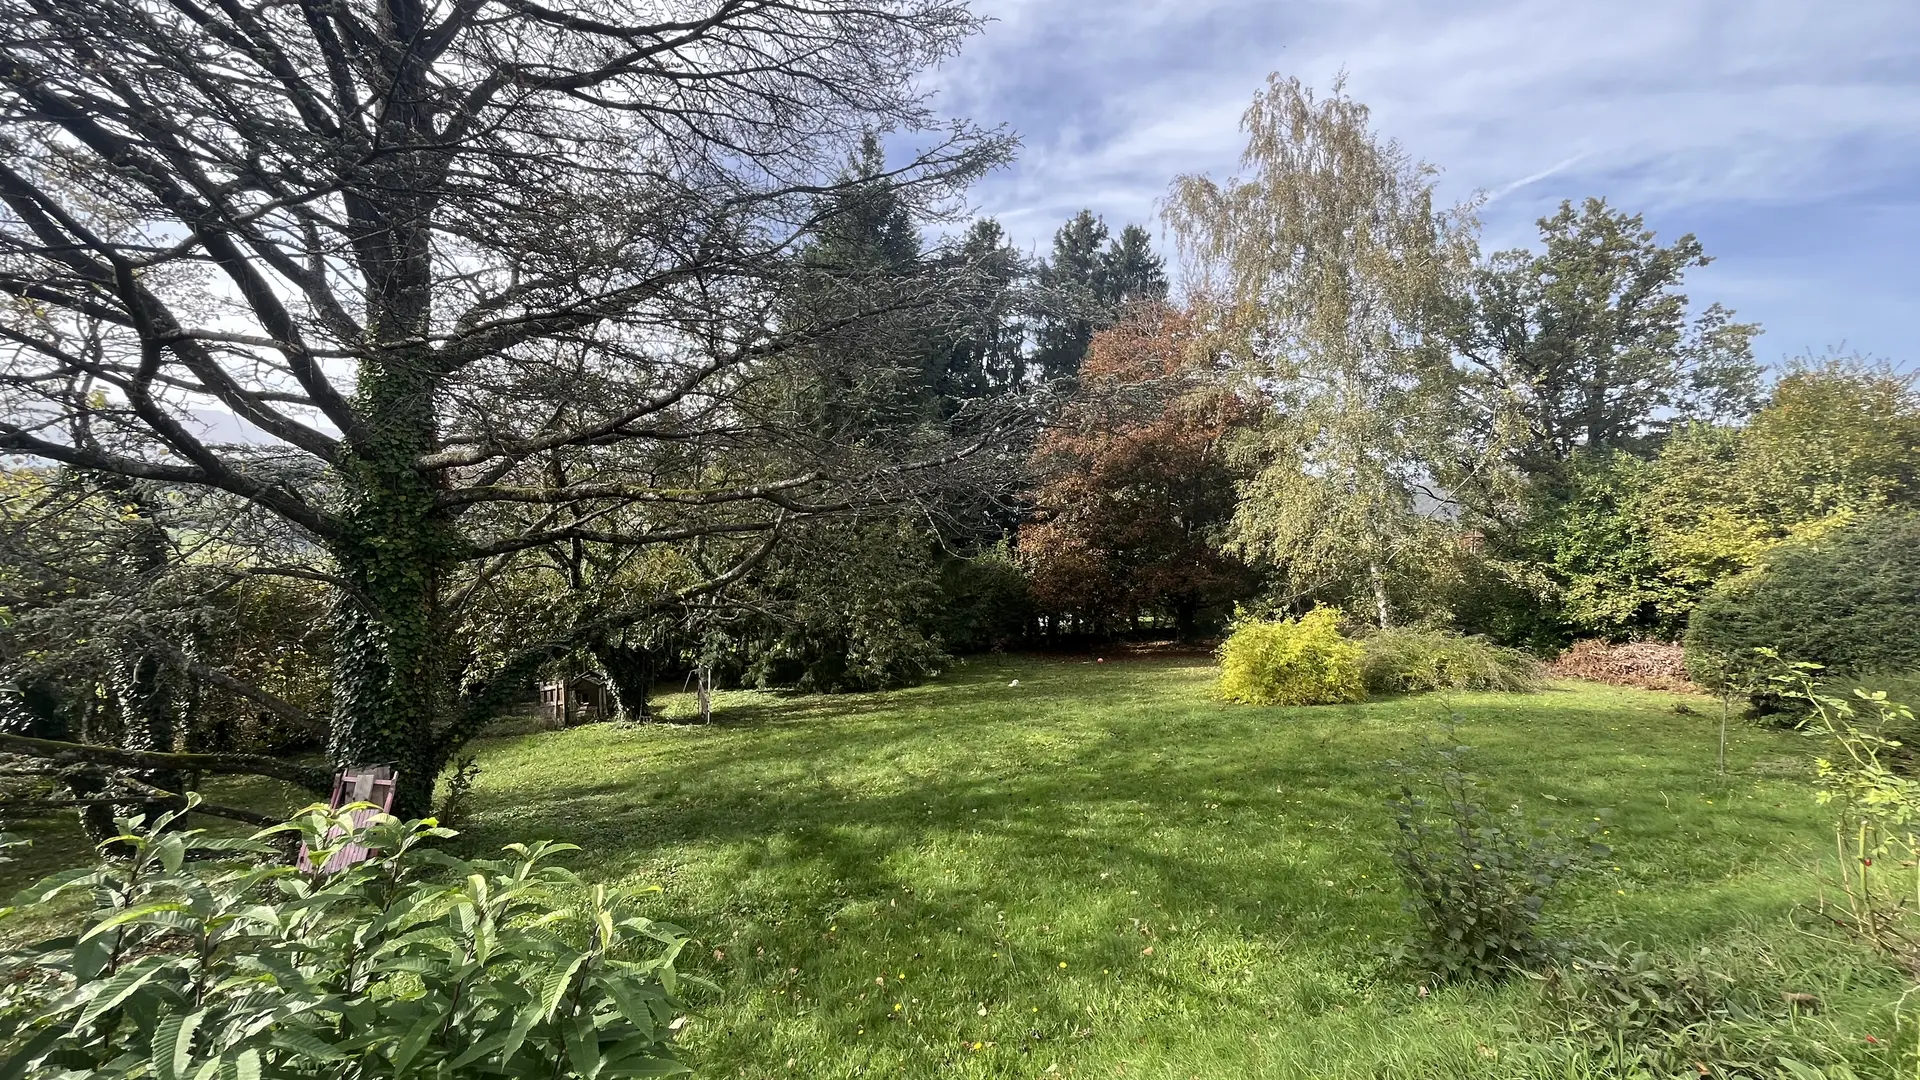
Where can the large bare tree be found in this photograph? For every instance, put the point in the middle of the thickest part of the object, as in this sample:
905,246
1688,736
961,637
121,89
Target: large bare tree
476,277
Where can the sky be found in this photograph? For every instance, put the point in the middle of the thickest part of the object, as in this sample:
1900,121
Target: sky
1785,134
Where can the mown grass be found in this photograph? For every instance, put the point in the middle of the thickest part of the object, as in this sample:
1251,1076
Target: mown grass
1102,872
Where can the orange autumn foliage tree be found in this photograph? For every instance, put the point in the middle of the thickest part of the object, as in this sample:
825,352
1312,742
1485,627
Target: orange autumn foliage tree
1137,483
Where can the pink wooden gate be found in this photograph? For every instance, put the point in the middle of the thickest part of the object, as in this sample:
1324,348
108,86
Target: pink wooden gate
366,784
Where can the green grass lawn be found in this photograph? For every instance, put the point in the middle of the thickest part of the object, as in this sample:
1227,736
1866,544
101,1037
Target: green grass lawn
1102,872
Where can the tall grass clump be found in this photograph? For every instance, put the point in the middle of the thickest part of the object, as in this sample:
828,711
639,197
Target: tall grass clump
1303,661
1405,660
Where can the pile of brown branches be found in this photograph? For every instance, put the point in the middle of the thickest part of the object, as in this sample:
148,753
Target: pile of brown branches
1649,665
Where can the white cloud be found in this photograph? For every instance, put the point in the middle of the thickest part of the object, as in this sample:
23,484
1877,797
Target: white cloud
1692,111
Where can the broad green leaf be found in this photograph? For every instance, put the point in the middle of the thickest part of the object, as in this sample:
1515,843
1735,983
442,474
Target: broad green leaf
126,982
416,1040
171,851
15,1067
51,886
173,1044
554,987
650,1067
242,1066
478,1051
304,1044
89,958
583,1044
631,1005
145,913
517,1035
231,843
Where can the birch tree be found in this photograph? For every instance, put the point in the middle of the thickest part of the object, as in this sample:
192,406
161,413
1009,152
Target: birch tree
1329,272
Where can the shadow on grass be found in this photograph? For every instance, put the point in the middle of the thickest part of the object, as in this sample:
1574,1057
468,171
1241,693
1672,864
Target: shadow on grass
1265,817
976,836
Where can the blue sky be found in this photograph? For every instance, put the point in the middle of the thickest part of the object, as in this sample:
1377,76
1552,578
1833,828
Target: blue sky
1784,133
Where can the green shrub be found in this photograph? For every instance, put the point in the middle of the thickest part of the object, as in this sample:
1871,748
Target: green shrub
207,958
1476,881
985,603
1409,661
845,606
1848,601
1300,661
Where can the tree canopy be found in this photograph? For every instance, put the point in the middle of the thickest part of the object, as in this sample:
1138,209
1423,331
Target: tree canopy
1135,486
1589,342
363,363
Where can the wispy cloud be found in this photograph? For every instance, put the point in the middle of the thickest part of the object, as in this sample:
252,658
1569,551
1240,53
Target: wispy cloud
1743,122
1533,178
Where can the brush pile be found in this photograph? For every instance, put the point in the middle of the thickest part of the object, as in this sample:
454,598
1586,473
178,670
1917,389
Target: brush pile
1649,665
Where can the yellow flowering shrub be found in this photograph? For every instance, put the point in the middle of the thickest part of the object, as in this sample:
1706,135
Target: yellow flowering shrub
1302,661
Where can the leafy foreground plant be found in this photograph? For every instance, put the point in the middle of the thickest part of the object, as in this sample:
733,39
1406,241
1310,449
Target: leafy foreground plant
1876,810
207,958
1637,1012
1476,881
1736,1011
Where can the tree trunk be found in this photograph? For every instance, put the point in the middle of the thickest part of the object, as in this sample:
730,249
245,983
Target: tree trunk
1186,612
96,818
1377,578
148,692
629,674
148,695
394,682
393,679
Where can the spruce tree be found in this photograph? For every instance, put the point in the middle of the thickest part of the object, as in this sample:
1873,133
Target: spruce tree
1084,286
986,333
1070,296
1131,271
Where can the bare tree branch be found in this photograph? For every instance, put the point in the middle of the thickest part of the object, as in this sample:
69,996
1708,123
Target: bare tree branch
313,778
